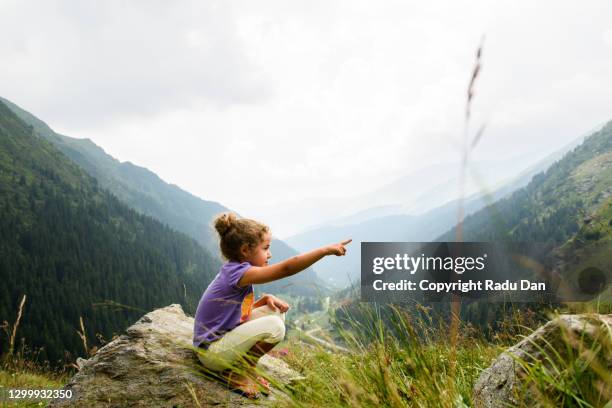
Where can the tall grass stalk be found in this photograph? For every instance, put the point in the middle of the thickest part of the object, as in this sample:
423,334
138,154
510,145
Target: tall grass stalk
16,325
467,146
83,335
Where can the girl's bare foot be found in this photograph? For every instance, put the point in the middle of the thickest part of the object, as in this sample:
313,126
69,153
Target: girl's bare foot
265,385
243,385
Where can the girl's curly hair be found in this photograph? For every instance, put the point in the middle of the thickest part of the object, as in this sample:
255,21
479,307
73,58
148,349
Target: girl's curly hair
235,232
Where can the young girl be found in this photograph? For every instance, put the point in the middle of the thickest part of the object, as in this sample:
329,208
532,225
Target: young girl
230,325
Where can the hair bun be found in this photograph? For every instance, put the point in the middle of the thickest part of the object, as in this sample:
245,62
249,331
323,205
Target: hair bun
224,222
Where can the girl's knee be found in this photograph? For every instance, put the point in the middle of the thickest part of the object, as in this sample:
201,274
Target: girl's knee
277,329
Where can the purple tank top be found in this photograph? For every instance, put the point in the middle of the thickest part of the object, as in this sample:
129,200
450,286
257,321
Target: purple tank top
224,305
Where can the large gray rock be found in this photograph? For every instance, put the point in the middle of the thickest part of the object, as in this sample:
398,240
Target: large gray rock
155,365
568,337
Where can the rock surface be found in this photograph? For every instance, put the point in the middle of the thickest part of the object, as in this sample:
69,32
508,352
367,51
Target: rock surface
155,365
502,384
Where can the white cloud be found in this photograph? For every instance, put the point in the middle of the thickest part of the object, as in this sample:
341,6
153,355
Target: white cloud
257,104
84,65
606,36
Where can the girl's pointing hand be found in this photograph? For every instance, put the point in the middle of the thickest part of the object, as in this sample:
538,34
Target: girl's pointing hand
338,249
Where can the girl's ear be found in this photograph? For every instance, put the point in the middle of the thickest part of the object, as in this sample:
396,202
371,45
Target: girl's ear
245,251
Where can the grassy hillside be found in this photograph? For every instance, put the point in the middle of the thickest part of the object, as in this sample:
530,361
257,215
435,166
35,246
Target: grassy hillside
412,362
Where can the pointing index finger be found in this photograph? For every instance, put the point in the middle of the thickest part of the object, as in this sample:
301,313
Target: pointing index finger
348,241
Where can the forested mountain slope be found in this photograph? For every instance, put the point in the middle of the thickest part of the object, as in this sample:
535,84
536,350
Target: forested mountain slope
145,192
568,208
67,244
557,204
136,186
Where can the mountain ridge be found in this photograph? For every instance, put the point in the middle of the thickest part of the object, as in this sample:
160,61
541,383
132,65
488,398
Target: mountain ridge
147,193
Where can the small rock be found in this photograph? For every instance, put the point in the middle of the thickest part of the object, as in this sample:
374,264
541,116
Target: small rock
80,362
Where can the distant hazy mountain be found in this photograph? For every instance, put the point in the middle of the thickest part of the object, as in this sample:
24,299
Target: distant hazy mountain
401,227
340,272
144,191
414,192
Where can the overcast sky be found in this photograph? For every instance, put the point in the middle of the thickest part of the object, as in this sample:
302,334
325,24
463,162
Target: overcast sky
256,104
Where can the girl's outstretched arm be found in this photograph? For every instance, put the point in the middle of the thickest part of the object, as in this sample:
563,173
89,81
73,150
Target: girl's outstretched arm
291,266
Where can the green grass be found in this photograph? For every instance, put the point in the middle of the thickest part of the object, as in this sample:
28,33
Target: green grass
387,375
407,363
24,379
22,369
29,378
411,362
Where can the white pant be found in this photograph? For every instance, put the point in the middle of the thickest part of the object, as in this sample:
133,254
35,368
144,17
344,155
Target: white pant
264,324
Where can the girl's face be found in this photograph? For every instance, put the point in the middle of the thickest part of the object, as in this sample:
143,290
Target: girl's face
259,255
